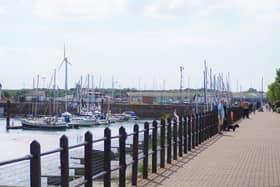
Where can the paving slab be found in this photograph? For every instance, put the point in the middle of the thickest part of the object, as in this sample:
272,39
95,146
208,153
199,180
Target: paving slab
250,156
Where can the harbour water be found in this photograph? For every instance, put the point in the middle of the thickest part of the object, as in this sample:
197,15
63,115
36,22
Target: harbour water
16,143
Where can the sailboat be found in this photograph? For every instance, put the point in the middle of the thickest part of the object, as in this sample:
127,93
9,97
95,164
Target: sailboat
44,123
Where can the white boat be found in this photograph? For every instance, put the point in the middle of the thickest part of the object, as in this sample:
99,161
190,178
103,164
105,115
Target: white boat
82,121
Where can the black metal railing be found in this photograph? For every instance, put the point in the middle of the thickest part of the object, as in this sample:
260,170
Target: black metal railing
169,139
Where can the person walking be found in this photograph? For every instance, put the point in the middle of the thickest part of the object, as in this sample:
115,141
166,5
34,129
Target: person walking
221,115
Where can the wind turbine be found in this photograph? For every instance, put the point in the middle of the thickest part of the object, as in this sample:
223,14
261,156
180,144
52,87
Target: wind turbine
65,60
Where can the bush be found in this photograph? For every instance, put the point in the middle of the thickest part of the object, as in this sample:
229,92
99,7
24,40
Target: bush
277,104
278,110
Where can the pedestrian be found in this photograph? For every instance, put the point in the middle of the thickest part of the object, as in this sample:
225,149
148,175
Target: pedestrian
221,115
226,117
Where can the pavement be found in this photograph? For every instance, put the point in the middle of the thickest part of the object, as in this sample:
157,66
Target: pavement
250,156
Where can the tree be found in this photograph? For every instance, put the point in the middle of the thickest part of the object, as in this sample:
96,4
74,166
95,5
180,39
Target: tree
273,93
252,90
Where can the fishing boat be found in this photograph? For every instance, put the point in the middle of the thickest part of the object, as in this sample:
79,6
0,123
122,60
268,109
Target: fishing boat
47,123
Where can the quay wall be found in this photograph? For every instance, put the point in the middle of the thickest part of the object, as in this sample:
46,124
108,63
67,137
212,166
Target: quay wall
142,111
153,111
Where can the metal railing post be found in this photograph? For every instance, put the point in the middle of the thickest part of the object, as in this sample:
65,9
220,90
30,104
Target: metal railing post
154,147
175,138
88,159
135,154
162,143
180,136
107,158
145,151
185,134
35,164
189,133
122,160
64,161
169,141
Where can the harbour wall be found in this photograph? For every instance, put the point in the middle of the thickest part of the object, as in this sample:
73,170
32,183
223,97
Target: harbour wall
142,111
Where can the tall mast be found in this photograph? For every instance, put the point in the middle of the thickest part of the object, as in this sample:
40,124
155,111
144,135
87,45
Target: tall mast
205,85
181,83
88,103
66,78
37,97
54,91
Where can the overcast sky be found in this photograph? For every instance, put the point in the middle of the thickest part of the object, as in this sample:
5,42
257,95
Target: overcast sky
142,43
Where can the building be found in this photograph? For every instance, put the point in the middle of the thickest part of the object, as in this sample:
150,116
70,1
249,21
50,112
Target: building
32,95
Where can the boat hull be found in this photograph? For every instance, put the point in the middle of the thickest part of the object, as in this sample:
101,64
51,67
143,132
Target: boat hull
42,126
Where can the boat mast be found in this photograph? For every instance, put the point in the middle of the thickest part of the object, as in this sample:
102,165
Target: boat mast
66,79
54,92
36,97
88,100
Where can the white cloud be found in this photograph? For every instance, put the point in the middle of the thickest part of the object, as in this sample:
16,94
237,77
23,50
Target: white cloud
90,9
165,8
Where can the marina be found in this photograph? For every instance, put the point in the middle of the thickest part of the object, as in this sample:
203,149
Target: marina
16,143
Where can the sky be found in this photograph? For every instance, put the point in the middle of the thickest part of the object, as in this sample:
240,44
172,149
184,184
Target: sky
141,44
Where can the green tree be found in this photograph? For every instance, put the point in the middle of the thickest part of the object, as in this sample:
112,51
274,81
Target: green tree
273,93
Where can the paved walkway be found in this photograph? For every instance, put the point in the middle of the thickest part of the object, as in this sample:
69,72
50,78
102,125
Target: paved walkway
250,156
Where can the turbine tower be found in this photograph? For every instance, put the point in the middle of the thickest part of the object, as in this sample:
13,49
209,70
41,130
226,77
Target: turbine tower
65,60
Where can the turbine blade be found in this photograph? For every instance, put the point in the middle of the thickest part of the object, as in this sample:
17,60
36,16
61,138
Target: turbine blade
61,64
64,51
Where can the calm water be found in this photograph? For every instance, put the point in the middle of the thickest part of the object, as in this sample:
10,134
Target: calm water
15,143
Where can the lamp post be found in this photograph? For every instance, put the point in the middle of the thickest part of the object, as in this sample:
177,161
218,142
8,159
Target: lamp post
181,83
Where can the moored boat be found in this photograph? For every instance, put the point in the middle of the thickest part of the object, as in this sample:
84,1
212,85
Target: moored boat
43,124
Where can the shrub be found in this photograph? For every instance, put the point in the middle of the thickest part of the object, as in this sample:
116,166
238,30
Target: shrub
278,110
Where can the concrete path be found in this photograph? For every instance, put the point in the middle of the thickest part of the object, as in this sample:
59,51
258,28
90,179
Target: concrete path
250,156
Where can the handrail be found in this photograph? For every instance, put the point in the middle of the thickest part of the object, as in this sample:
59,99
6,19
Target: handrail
27,157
